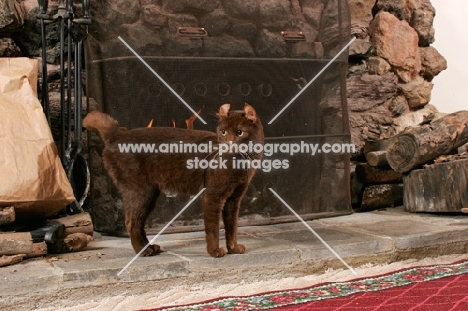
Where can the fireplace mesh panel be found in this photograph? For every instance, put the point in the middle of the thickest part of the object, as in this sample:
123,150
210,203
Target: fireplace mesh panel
218,53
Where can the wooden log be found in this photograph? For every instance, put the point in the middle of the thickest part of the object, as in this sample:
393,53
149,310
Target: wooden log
463,149
38,249
377,158
7,215
381,196
357,188
439,187
15,243
78,223
72,243
10,260
376,145
417,146
369,175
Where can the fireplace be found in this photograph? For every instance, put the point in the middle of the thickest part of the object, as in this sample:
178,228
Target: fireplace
171,60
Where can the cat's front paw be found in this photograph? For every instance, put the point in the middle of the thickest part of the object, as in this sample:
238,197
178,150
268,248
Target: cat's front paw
151,250
219,252
237,249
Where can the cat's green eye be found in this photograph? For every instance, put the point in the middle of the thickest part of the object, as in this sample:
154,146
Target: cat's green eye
240,133
223,132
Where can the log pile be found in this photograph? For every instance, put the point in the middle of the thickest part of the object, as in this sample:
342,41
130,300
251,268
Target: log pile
419,145
424,167
61,235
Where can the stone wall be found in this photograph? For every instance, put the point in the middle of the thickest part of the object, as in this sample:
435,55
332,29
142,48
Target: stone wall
391,64
20,32
236,28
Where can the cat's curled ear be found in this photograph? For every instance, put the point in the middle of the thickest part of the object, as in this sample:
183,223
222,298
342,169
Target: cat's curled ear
224,110
250,113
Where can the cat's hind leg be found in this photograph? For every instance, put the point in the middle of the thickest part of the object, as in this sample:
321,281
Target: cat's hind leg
138,204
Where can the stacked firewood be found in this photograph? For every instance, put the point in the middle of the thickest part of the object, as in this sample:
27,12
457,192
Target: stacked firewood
61,235
421,168
379,186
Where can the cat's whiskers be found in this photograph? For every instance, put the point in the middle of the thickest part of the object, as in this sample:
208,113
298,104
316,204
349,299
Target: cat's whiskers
213,153
250,155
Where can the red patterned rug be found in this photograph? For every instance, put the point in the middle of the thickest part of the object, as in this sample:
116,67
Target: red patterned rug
435,288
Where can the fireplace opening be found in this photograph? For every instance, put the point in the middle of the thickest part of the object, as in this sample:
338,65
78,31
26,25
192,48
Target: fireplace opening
180,59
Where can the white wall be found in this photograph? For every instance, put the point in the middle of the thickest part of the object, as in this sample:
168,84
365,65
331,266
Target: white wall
450,91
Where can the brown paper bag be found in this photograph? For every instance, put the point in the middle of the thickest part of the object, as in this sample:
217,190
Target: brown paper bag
32,178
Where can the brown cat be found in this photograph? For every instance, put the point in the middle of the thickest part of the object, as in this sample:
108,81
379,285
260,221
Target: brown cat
140,177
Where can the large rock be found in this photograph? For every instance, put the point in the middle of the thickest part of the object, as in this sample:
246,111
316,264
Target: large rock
29,37
312,11
432,62
397,42
11,16
399,8
360,48
243,9
369,98
142,39
365,91
243,29
378,65
418,13
189,6
369,126
215,23
422,19
8,48
361,11
153,15
417,92
398,106
179,20
118,12
275,14
270,44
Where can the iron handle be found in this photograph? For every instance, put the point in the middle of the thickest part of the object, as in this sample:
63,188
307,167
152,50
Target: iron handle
70,7
85,9
293,36
43,4
62,10
194,32
85,19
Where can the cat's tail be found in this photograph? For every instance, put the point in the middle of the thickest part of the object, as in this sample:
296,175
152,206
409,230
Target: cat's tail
102,123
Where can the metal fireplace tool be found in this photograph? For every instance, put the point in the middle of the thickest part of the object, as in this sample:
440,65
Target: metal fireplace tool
73,31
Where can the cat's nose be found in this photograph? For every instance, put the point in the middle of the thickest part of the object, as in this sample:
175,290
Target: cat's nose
230,142
230,139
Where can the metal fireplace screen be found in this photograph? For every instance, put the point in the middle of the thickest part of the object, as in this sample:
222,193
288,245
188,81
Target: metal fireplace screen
162,61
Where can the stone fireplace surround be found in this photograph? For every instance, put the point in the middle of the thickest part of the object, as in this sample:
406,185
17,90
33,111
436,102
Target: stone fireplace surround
381,88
